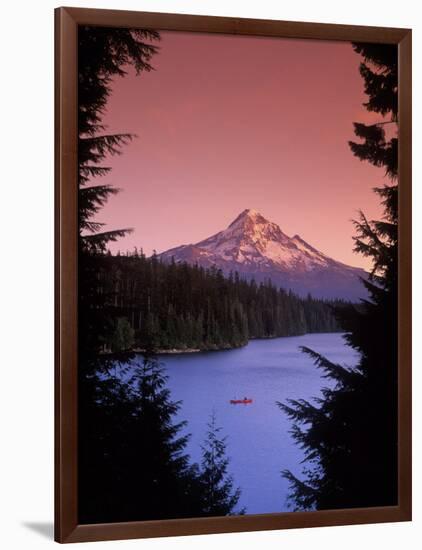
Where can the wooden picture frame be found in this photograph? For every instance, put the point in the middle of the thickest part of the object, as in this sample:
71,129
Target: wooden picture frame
67,528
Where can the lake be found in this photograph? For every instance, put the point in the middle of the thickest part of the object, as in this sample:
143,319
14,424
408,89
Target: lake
258,441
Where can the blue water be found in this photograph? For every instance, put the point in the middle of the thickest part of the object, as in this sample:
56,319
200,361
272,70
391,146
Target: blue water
258,441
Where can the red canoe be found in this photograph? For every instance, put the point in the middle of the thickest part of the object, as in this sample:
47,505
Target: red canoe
240,401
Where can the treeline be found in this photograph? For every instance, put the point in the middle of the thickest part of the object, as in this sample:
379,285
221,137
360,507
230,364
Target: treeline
182,306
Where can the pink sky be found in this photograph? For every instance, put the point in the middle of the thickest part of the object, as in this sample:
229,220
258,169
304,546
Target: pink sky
226,123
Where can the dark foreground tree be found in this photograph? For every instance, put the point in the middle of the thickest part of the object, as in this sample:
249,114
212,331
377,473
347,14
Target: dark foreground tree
219,498
131,462
103,54
105,407
350,435
138,450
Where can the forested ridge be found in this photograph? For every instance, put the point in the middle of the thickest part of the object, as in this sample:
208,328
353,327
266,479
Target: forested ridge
179,306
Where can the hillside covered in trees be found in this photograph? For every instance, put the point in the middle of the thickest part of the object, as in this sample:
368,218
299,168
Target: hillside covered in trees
177,306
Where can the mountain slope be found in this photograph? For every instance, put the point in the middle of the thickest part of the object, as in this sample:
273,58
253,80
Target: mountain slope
257,248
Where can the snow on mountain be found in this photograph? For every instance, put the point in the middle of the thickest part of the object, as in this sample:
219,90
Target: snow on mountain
257,248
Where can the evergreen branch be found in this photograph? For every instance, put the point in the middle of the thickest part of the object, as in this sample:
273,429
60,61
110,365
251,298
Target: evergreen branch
332,370
103,144
382,123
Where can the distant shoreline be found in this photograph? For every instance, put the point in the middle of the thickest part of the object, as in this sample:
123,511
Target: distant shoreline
172,351
182,351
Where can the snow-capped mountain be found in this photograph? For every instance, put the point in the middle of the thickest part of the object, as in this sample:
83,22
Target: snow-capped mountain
257,248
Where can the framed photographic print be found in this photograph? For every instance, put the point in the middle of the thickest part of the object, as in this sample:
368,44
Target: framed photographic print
233,274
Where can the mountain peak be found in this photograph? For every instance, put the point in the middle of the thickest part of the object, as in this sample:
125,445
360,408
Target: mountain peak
251,212
250,215
257,248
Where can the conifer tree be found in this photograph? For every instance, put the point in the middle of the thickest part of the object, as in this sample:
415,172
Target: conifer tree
158,480
103,54
218,494
123,337
350,435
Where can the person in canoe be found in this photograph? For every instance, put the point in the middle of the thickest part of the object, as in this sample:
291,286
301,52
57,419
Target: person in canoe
244,401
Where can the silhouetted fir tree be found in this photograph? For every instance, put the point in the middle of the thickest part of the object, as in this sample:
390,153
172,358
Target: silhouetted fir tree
350,435
103,54
158,481
131,464
218,493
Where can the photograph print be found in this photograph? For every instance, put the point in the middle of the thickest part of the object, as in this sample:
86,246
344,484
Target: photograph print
237,275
